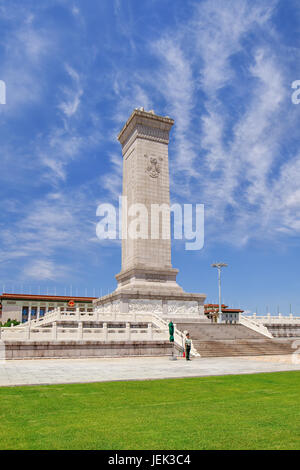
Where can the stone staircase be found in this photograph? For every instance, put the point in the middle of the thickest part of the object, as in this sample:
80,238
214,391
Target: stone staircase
217,331
251,347
217,340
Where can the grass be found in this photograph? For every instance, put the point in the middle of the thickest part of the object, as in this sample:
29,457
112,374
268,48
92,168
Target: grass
260,411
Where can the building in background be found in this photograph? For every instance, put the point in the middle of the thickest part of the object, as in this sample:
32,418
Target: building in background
229,315
21,307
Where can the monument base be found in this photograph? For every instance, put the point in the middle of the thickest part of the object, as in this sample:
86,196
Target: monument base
142,277
164,300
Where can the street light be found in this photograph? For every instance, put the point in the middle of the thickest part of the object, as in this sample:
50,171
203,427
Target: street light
219,266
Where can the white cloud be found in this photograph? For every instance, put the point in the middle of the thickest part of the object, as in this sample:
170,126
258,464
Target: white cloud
58,223
65,141
129,94
45,270
219,28
61,147
72,95
177,85
24,52
233,116
75,10
112,181
232,159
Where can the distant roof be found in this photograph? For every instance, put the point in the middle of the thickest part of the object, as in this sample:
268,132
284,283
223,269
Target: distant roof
58,298
215,305
225,308
233,310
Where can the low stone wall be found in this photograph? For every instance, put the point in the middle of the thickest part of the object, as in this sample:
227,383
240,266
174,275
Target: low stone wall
77,349
284,330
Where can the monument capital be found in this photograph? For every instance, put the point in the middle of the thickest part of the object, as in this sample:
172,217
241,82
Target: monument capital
145,125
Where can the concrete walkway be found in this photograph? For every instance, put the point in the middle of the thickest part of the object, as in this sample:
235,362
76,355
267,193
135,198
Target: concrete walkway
55,371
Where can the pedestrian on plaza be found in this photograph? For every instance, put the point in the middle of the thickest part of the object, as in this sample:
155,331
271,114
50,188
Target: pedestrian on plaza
188,345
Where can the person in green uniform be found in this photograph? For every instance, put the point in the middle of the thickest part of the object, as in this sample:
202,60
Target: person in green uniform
188,345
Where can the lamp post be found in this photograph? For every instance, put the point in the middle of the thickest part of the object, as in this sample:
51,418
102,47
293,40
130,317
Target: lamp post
219,266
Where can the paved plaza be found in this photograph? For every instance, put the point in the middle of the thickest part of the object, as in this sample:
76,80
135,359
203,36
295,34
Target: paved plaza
56,371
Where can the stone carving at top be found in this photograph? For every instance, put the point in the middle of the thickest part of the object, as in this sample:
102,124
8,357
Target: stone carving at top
145,125
150,306
148,133
183,308
153,167
151,133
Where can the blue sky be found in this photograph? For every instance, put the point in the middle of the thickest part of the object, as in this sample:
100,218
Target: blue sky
223,69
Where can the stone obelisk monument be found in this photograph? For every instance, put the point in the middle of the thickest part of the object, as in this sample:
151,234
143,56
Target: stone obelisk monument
146,262
147,280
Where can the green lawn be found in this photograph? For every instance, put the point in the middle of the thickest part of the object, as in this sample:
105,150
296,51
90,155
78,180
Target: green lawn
259,411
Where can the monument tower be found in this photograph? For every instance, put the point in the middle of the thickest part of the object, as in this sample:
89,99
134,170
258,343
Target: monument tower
146,260
147,280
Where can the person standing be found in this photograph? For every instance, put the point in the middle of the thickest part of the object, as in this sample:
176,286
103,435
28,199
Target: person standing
188,345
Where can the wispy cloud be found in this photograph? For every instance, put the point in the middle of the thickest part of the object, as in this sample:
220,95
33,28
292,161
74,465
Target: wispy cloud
177,85
222,70
70,105
45,270
60,148
58,223
231,151
25,50
112,181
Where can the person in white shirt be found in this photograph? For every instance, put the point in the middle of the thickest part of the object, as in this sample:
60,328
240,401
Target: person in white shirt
188,345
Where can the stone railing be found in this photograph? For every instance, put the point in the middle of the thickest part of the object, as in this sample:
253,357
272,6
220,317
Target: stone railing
254,325
274,319
46,328
57,313
71,315
79,333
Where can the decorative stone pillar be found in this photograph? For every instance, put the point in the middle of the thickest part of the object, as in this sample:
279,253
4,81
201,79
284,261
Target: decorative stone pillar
105,333
78,313
124,306
150,331
128,332
54,330
80,330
